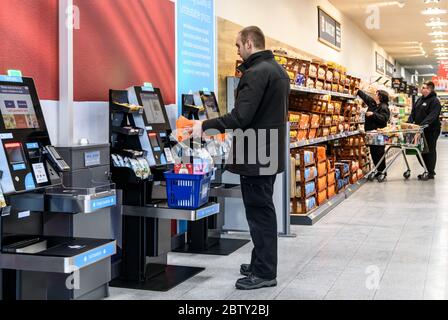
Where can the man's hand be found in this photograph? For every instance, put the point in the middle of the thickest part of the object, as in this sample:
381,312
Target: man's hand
369,114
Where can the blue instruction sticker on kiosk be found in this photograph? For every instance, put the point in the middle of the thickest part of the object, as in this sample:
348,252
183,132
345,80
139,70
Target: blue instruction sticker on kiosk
102,203
95,255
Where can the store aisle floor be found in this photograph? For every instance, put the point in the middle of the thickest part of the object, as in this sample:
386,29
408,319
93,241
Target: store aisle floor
388,241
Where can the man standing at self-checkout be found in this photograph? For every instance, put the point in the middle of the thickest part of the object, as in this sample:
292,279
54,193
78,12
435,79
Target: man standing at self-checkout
259,122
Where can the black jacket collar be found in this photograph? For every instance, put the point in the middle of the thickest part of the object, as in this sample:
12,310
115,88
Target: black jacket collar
430,96
256,58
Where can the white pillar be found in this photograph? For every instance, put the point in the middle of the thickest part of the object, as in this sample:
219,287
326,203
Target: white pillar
65,110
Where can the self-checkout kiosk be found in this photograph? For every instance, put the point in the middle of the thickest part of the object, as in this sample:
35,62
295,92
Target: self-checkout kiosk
139,130
205,236
37,260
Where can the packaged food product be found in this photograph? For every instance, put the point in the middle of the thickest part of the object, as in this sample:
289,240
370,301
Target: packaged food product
310,83
2,199
313,70
304,121
302,135
310,188
337,173
322,197
314,121
331,178
335,87
310,174
322,183
331,191
321,73
312,133
309,204
329,75
321,154
319,85
146,170
300,80
322,169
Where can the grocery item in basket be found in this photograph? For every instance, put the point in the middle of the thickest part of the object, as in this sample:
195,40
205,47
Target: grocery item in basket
322,183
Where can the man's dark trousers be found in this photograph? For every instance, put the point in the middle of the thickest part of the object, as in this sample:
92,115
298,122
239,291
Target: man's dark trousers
260,212
430,158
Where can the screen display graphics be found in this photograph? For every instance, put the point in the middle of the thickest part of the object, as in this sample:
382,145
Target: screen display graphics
153,108
17,108
211,106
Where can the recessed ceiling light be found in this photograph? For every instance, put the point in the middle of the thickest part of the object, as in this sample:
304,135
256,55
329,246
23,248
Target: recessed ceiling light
433,11
440,41
438,33
436,24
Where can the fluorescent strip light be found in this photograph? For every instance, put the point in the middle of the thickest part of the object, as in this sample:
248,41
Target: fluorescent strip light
437,24
441,49
432,1
440,41
433,11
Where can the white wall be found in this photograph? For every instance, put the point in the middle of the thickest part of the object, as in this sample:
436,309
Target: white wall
295,23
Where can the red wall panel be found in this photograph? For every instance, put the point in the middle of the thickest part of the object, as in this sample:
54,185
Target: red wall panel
29,42
122,43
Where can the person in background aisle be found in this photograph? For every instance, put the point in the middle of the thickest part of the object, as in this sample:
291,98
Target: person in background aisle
426,112
377,117
261,105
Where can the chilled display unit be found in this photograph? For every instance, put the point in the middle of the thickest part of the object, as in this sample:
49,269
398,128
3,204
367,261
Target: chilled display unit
38,260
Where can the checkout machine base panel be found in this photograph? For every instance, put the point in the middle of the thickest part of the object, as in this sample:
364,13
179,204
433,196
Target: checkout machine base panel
219,247
166,279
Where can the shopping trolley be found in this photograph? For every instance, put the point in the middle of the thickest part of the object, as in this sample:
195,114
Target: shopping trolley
406,141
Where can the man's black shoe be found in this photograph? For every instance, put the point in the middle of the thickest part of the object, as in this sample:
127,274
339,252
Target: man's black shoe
252,282
245,270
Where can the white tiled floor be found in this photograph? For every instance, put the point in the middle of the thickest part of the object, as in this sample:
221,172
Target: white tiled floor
388,241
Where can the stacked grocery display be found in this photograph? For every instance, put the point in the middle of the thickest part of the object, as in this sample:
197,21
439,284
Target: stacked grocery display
444,115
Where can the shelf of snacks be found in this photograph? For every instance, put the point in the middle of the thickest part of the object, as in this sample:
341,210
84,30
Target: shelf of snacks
320,182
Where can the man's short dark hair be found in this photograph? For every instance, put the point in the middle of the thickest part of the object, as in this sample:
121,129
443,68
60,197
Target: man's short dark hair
256,35
384,96
430,85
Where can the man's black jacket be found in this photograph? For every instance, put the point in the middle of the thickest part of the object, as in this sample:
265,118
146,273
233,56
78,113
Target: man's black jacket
426,111
381,112
261,103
